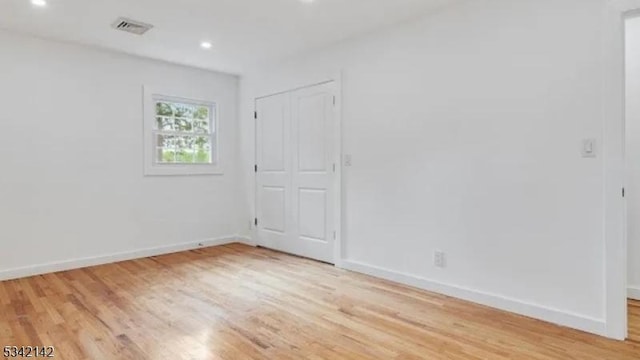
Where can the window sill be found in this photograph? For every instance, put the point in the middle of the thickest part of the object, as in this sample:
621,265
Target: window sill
182,170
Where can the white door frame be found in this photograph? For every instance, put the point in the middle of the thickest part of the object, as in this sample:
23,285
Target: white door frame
615,221
337,177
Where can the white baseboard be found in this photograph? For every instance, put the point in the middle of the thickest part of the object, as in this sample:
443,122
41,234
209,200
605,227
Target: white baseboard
575,321
246,240
634,292
116,257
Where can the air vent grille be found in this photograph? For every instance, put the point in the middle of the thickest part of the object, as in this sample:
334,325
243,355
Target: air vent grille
131,26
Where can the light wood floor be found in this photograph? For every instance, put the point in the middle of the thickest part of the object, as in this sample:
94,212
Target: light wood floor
634,321
238,302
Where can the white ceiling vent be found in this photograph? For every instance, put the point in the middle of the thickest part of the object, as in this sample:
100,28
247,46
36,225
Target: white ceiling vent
132,26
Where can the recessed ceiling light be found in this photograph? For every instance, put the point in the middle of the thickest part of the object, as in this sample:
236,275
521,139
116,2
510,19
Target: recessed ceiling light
39,3
205,45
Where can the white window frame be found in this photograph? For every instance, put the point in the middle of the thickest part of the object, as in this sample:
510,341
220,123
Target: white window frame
154,168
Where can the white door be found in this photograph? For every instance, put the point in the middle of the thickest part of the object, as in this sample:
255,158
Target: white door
273,193
296,133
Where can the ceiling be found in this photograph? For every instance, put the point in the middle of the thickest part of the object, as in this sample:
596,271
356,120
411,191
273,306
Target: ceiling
244,33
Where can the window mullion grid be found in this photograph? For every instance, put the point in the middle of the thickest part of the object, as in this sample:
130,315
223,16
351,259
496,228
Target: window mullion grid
179,135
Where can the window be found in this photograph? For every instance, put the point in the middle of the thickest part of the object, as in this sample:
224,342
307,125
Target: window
181,136
184,132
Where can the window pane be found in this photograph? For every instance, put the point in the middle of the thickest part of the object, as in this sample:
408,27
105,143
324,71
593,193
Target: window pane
203,142
166,141
164,123
201,126
183,110
184,156
168,156
203,156
203,149
185,149
189,142
201,113
183,124
164,109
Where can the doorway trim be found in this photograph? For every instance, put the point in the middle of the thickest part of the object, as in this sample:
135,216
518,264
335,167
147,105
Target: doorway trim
615,234
335,78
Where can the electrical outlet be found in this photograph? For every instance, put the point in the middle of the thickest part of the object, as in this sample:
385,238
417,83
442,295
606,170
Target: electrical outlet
440,259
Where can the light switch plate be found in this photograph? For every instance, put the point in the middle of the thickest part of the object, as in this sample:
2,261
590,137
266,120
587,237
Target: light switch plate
347,160
589,149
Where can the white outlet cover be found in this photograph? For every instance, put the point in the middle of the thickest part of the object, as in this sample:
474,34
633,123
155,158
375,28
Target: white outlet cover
440,259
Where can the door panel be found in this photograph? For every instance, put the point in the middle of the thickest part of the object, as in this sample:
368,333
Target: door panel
295,188
273,132
311,129
312,120
273,188
312,205
274,209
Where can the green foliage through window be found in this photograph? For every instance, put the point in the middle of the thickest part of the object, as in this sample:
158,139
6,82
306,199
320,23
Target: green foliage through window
184,133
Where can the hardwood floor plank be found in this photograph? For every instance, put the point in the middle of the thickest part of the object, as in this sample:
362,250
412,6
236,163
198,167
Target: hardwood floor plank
634,321
239,302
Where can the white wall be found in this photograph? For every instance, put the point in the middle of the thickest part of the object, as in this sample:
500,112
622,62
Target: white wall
465,131
71,179
464,128
633,154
